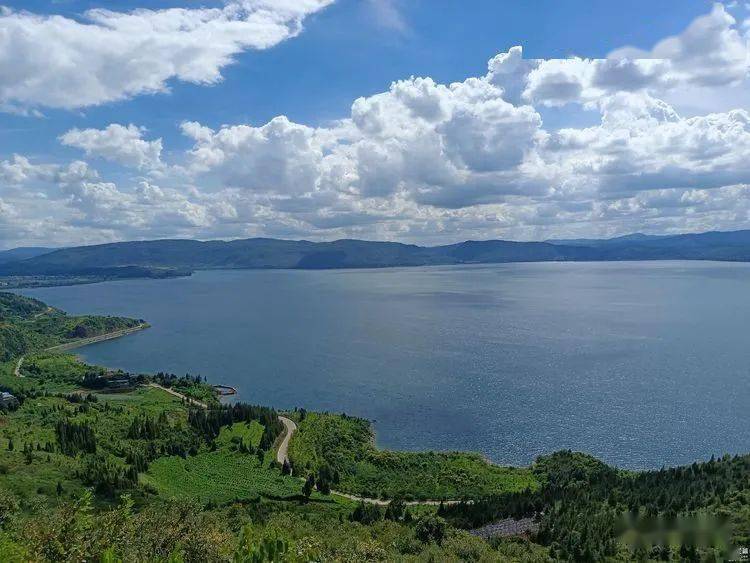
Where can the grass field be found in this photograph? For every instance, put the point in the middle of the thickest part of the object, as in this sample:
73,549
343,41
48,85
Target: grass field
35,476
345,444
247,433
60,373
32,427
219,477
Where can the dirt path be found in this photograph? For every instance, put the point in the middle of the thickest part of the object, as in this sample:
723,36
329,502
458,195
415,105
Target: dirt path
94,339
17,371
47,311
180,395
282,454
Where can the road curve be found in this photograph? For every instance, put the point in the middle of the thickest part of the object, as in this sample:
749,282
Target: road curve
17,371
290,427
283,454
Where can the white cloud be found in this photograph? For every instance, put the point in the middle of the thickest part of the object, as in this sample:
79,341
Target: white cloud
711,53
118,143
279,156
387,14
431,162
419,137
17,170
60,62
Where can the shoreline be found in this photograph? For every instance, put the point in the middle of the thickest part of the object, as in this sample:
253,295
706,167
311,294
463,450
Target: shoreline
62,281
99,338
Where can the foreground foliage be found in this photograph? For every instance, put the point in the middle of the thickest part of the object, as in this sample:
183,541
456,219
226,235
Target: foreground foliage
589,511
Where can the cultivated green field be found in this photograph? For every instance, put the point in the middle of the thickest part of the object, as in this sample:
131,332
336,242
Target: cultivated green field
248,434
219,477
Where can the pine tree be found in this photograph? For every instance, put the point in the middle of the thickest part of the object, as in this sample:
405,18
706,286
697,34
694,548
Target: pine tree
308,486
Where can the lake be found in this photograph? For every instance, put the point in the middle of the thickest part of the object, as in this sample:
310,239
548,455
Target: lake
640,364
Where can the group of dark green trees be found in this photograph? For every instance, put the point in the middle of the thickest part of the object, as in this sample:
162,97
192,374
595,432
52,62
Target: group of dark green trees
585,508
208,422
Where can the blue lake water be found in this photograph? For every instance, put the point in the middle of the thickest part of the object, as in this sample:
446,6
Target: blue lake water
640,364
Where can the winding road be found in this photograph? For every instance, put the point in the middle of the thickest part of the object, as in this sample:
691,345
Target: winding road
282,454
17,371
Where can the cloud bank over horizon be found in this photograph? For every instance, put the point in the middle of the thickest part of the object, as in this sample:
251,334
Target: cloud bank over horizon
421,162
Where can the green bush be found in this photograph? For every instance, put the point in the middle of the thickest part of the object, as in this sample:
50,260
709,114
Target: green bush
430,528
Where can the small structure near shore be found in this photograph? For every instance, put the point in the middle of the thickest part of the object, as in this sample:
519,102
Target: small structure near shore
112,380
225,390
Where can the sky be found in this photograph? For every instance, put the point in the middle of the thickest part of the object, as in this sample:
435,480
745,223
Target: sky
424,121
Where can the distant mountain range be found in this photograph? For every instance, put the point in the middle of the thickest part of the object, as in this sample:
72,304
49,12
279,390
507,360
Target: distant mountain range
22,253
175,257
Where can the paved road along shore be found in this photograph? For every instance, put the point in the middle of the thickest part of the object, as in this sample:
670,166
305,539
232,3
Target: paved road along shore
100,338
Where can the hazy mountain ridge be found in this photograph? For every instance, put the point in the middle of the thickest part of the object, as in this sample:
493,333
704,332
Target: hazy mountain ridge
22,253
159,257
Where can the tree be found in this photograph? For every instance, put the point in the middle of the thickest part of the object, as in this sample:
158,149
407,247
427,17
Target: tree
430,529
366,514
10,444
396,510
307,488
264,550
324,479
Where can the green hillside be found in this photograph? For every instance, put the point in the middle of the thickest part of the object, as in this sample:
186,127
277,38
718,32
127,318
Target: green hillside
92,472
160,258
28,325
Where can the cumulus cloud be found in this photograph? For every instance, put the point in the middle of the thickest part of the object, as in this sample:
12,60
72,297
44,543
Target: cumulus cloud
475,154
418,138
61,62
54,203
118,143
431,162
280,155
711,52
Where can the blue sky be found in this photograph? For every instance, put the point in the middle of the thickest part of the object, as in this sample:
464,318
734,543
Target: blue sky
488,164
351,50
